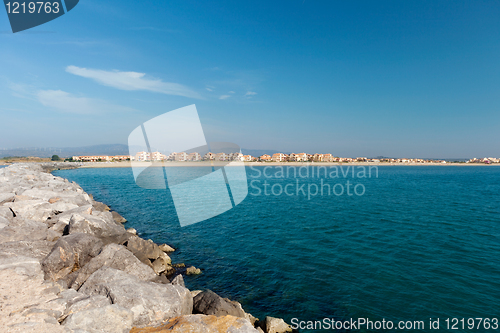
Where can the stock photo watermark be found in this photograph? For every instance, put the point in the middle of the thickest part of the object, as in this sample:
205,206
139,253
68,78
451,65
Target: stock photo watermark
310,180
25,15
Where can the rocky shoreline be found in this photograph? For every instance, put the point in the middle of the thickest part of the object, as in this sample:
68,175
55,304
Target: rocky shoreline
67,264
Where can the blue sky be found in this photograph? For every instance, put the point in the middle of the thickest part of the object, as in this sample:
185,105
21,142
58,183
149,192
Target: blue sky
352,78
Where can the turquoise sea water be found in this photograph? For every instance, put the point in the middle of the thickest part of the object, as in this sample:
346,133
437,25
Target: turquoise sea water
422,242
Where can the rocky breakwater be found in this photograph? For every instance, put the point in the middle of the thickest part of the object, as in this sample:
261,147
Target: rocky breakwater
67,264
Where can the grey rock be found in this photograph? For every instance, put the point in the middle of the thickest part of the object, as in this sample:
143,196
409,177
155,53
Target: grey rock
61,206
191,270
29,267
276,325
166,248
69,254
163,264
178,280
20,229
146,248
38,249
6,197
37,210
94,225
118,218
117,257
132,231
84,303
6,212
111,319
99,206
198,323
150,302
209,303
66,216
3,222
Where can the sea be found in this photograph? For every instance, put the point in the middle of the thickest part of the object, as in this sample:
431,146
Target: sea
399,244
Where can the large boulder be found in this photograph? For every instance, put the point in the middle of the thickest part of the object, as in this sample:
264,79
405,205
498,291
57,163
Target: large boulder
94,225
209,303
99,206
147,248
84,303
110,319
3,222
6,212
117,257
65,217
151,303
38,210
201,324
163,264
19,229
6,197
38,249
276,325
118,218
69,254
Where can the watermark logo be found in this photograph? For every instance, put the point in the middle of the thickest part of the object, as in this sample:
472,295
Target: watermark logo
205,180
25,15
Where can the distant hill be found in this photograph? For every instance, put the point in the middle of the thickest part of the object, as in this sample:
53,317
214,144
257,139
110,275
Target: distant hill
113,149
260,152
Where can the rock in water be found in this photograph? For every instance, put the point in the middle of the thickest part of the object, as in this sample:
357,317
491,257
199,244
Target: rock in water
166,248
276,325
193,271
209,303
146,248
118,218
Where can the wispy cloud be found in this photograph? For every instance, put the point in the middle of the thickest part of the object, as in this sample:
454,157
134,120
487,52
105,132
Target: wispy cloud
69,103
250,93
132,81
224,97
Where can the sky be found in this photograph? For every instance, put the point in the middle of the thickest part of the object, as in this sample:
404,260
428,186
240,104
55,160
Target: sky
351,78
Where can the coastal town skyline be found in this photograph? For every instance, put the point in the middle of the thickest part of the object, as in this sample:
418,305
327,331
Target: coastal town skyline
277,157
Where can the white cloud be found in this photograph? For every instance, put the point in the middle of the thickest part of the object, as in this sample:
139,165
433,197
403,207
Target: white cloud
231,92
224,97
209,89
132,81
66,102
250,93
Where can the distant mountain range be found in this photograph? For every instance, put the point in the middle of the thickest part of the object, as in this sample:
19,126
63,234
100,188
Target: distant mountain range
113,149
